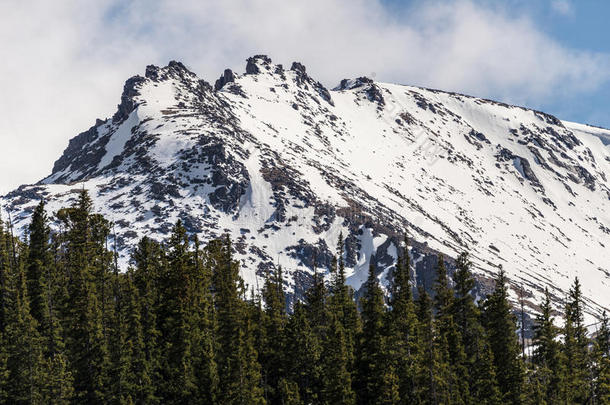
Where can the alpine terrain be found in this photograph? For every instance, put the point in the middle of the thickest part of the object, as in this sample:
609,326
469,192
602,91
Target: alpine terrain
285,166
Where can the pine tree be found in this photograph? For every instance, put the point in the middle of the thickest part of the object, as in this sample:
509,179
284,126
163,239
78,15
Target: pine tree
24,346
203,330
372,355
238,368
86,344
150,263
477,354
304,351
336,379
547,355
575,348
173,317
432,371
39,260
449,334
402,330
500,324
602,362
273,345
342,304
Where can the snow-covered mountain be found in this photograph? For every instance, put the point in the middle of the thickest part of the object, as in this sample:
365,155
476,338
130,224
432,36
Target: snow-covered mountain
284,166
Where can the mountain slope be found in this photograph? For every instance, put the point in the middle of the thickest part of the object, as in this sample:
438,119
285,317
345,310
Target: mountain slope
284,165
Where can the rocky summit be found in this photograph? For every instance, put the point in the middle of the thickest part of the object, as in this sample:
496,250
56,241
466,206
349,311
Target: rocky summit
285,166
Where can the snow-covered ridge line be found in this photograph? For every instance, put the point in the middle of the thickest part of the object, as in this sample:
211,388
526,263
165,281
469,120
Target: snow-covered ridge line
284,165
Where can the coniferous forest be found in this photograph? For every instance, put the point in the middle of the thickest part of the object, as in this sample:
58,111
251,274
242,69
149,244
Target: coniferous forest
181,327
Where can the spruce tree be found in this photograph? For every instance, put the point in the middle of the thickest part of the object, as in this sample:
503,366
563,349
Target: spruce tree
575,348
402,330
449,335
602,362
39,260
173,317
500,324
4,371
150,264
342,304
289,392
238,367
203,329
432,371
86,344
24,346
336,376
467,316
273,345
547,354
304,351
372,355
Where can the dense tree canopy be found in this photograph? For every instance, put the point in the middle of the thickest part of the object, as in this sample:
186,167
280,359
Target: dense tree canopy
181,327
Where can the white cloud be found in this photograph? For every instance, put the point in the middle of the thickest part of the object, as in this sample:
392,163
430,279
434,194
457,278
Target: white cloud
65,62
563,7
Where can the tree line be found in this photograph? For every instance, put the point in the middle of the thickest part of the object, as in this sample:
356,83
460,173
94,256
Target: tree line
181,327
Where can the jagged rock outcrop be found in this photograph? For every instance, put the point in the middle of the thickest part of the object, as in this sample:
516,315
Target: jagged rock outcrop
283,165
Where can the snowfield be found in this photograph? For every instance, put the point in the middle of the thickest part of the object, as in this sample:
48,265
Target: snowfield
284,166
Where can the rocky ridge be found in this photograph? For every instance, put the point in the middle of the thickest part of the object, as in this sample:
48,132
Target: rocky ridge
284,165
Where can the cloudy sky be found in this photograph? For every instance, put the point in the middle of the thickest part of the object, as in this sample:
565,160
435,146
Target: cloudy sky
64,62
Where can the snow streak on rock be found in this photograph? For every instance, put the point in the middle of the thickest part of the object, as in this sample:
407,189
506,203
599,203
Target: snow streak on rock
283,165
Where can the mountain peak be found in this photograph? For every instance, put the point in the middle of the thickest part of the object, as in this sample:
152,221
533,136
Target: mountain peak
258,63
282,165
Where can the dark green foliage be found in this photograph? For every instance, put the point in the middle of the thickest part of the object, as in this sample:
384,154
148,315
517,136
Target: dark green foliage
273,344
452,351
547,354
477,357
38,264
601,353
342,304
87,346
180,327
432,370
238,367
575,350
337,378
402,331
372,356
500,324
304,351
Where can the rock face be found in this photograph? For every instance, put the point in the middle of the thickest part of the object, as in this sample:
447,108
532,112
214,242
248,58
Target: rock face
227,77
284,166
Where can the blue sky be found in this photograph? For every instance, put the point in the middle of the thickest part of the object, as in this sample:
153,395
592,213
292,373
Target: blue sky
579,25
64,63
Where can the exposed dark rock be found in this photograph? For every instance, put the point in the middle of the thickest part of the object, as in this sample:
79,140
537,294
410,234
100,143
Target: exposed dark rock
152,72
83,153
303,79
374,95
128,104
225,78
504,155
298,67
479,136
252,66
586,177
312,254
549,119
347,84
528,172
